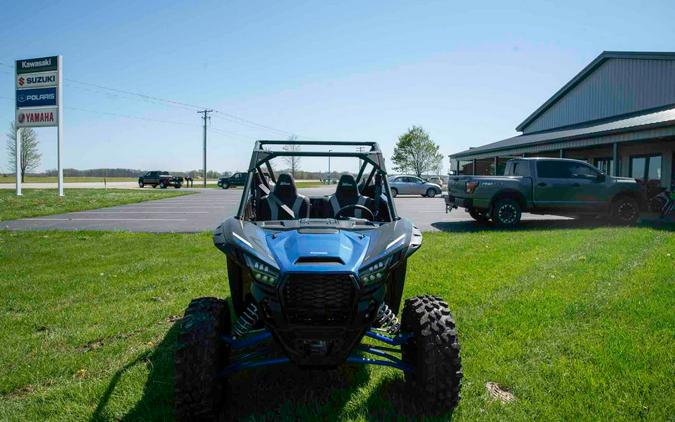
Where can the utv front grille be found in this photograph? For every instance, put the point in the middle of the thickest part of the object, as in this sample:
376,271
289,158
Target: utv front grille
318,299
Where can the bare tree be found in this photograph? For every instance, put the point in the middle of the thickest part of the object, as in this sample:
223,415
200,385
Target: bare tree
293,161
30,156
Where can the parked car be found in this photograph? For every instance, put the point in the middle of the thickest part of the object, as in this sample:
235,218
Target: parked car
435,179
237,179
413,185
546,186
161,179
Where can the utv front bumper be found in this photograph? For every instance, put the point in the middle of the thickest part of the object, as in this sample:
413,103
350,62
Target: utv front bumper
318,318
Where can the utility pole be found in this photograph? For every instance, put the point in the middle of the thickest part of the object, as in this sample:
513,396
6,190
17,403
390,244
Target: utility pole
205,116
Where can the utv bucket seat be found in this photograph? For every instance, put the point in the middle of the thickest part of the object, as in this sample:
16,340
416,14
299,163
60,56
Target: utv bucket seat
347,193
284,203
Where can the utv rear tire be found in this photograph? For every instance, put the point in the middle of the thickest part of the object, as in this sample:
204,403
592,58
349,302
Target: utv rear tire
394,192
478,216
625,211
200,355
506,212
433,354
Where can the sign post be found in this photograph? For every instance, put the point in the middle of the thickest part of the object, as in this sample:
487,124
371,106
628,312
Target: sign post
39,97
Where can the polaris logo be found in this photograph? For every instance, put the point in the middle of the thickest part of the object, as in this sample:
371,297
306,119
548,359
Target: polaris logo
36,97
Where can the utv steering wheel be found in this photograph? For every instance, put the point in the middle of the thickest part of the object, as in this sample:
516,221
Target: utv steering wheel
355,206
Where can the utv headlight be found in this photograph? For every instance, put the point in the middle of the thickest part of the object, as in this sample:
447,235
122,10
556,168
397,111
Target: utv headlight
375,272
261,271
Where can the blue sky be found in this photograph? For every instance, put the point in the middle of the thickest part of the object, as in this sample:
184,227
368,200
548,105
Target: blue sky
355,70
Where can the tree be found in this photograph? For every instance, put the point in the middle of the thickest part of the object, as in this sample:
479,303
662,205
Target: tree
30,156
293,161
416,153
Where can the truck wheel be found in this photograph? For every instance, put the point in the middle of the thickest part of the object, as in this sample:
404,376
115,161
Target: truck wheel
200,355
506,212
478,216
431,192
394,192
141,184
176,186
162,185
625,211
226,185
432,352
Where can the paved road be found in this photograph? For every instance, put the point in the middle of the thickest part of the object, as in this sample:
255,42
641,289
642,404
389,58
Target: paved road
206,209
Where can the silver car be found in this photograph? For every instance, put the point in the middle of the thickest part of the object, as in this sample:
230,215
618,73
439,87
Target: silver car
413,185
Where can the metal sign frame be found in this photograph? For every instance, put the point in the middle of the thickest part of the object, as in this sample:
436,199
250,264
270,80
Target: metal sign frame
40,69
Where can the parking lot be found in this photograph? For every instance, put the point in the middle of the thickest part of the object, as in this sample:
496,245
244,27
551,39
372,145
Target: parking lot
207,208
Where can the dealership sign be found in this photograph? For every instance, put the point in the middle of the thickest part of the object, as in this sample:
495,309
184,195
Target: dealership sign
37,117
36,65
38,92
36,80
37,97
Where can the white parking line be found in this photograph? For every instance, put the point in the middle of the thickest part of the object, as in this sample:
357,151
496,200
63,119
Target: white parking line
106,219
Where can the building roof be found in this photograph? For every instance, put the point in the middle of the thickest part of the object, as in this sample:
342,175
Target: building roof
585,72
644,120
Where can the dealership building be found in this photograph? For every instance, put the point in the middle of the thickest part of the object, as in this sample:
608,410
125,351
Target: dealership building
618,114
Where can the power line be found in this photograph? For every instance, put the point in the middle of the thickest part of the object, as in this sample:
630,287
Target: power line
229,116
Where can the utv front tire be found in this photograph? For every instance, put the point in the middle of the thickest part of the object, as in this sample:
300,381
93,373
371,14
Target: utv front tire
433,354
200,355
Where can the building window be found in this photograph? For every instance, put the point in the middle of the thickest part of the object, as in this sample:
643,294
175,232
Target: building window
605,165
645,167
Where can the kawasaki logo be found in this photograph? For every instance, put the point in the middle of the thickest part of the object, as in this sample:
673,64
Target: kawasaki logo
37,63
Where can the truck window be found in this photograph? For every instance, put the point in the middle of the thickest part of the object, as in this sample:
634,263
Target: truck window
554,169
520,168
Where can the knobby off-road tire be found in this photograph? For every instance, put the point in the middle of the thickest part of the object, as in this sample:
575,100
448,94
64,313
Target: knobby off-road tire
433,353
625,211
200,355
478,216
506,212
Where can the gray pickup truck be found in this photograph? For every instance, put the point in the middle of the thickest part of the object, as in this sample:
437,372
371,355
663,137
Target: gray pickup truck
546,186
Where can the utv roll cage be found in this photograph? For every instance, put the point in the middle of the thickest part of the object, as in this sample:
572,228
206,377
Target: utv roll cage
262,156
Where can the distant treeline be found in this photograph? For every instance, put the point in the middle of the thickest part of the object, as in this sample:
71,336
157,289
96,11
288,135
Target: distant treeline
119,172
196,174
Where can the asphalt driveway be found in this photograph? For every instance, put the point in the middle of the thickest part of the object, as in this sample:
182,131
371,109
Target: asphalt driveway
206,209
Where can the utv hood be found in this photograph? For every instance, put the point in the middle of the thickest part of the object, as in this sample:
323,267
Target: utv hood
323,250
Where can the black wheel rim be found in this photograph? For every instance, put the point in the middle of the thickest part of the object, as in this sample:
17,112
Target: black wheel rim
626,211
507,213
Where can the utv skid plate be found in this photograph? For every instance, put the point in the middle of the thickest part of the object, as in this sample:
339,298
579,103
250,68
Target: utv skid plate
261,357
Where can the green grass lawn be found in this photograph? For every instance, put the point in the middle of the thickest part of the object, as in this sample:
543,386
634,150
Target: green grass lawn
577,323
54,179
35,202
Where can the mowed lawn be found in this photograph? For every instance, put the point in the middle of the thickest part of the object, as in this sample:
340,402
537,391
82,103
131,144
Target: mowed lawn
577,324
36,202
66,179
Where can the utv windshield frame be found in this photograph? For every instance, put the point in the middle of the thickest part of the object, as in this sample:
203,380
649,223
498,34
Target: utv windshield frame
261,157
